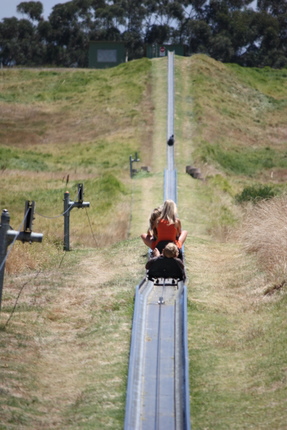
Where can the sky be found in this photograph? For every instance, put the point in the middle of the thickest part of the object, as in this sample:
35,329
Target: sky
8,7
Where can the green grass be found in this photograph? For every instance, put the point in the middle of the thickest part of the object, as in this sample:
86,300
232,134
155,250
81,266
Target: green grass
233,109
90,156
237,373
46,86
22,160
266,80
255,193
243,161
103,192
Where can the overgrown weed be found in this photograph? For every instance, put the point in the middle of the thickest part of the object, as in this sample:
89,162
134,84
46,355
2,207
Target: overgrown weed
263,232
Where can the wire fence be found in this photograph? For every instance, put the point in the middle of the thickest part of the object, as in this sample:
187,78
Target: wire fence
18,232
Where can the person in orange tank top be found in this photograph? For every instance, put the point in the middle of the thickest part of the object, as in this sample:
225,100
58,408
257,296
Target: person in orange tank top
168,228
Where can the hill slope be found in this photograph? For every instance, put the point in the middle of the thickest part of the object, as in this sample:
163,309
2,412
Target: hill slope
65,349
236,328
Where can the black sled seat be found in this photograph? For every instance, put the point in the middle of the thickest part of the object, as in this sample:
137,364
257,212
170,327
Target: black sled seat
164,267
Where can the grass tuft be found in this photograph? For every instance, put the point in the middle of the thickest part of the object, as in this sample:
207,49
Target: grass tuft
263,232
255,193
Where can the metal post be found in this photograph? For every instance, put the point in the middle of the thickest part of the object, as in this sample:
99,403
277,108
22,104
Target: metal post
80,193
29,215
131,163
7,236
67,221
131,166
5,226
68,206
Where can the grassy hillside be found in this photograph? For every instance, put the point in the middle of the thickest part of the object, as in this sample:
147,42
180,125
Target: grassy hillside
60,128
240,116
236,249
64,350
64,347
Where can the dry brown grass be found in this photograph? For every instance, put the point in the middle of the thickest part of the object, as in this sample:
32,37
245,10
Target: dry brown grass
73,326
24,258
264,233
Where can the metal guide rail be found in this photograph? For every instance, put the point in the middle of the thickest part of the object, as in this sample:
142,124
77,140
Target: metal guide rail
158,395
170,175
158,379
170,112
170,185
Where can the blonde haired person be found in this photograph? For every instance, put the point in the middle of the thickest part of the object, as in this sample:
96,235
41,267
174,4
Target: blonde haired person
168,227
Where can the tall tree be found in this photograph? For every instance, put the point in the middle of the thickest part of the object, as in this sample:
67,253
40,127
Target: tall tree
273,7
228,30
18,43
69,33
34,9
277,10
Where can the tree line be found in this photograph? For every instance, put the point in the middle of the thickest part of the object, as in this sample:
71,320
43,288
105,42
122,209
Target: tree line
227,30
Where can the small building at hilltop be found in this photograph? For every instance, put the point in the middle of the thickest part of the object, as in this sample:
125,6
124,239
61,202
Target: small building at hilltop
103,55
107,54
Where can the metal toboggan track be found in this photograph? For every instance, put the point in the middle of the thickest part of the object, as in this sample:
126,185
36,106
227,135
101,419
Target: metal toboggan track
158,382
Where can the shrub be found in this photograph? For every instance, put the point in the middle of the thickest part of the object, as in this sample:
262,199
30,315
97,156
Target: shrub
263,232
255,193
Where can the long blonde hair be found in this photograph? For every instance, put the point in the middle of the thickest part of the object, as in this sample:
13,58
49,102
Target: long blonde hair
169,211
153,221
